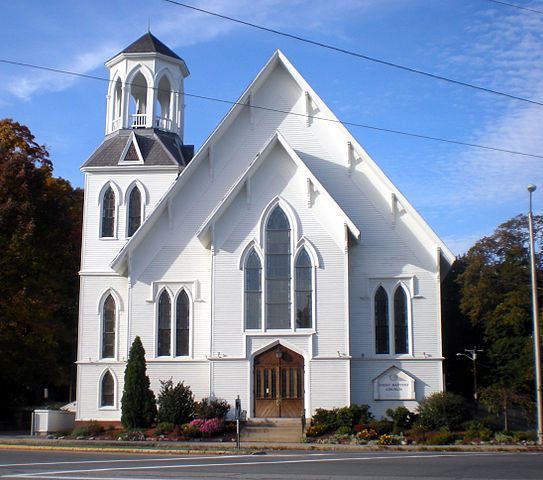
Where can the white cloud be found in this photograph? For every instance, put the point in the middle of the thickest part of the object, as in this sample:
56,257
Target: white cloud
507,56
179,27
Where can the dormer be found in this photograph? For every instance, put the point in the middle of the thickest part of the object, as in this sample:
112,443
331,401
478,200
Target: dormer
146,88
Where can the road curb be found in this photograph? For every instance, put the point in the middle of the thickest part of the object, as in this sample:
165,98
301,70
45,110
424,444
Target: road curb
190,448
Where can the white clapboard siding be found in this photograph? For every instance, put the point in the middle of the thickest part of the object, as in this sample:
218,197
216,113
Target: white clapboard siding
329,383
427,374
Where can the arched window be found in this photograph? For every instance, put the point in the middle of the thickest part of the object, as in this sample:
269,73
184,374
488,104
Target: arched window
381,321
400,321
253,291
134,211
108,213
164,324
182,326
304,290
278,270
108,327
107,397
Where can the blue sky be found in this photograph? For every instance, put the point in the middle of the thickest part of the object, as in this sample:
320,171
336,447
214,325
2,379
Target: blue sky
463,193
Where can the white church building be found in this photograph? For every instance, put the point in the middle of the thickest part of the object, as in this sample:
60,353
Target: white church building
278,263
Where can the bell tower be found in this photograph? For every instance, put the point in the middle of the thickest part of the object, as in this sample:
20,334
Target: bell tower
146,88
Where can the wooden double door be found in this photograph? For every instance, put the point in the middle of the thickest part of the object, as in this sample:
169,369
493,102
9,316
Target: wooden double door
278,383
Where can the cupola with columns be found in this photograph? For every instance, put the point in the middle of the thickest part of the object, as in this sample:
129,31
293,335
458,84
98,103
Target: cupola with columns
146,88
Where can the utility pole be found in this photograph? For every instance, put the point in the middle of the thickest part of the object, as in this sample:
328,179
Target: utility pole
535,309
472,355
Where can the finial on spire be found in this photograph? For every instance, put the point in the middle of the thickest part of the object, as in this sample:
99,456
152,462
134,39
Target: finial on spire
149,24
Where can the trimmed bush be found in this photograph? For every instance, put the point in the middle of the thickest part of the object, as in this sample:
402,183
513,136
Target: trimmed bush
94,428
440,438
342,417
344,430
442,411
80,432
138,406
164,428
175,403
402,419
208,408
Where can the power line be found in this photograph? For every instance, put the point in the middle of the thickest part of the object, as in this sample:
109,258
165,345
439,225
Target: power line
520,7
417,71
277,110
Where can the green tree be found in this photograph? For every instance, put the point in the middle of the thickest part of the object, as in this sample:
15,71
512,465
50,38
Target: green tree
138,405
40,237
495,296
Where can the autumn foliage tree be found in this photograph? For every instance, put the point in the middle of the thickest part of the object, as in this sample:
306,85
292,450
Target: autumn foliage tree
40,229
490,306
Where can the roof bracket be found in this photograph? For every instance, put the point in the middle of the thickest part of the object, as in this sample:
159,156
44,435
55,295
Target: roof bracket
308,120
396,208
312,193
352,158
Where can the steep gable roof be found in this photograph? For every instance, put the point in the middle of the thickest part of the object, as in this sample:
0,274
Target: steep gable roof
203,232
325,113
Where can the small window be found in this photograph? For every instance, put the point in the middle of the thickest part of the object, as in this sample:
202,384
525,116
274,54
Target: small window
107,398
381,321
108,213
304,290
253,291
108,327
278,270
134,211
400,321
182,325
164,324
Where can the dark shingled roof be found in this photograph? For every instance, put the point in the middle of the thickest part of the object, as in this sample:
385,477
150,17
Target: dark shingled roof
149,43
157,148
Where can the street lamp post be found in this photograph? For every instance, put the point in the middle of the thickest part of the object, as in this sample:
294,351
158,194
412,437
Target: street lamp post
473,357
535,309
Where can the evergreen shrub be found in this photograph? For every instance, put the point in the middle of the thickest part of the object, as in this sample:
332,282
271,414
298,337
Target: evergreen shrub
175,403
138,406
208,408
442,411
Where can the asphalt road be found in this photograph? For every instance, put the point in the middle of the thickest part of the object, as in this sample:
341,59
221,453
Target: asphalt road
273,465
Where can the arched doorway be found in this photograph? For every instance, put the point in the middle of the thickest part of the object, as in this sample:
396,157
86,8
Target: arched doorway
278,383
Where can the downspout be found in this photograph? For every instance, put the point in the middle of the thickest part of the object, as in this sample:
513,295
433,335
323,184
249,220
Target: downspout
346,308
212,315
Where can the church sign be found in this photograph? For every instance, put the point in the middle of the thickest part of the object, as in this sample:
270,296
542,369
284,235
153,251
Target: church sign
394,384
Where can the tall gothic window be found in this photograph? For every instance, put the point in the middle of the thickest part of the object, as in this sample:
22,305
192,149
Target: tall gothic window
108,327
304,290
182,327
108,213
381,321
164,324
107,397
134,211
278,270
253,291
400,321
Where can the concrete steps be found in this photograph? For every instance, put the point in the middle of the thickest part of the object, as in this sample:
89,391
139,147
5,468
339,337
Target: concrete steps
272,430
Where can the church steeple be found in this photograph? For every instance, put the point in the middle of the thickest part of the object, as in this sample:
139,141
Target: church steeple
146,87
